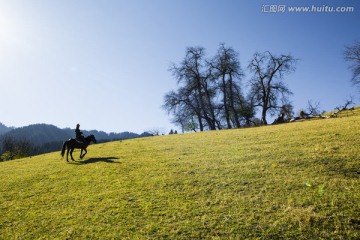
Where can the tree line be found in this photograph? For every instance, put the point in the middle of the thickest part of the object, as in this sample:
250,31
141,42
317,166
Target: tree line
211,91
14,148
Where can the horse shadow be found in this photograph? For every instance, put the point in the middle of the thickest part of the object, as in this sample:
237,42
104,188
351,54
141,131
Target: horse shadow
100,159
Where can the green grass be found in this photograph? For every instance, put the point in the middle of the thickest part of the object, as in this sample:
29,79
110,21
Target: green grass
292,181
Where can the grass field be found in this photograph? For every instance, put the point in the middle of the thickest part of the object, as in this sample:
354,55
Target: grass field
291,181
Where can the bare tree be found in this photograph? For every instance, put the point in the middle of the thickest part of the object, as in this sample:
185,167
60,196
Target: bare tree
346,105
352,55
267,86
313,108
185,114
197,90
156,131
247,110
228,73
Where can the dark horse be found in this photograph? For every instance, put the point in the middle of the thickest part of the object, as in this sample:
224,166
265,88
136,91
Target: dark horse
72,143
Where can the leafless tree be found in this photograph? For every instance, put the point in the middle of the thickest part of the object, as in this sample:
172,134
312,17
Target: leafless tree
346,105
156,131
228,73
184,108
313,108
352,55
267,84
197,89
247,110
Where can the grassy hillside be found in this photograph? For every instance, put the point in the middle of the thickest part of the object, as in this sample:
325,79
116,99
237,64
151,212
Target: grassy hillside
298,180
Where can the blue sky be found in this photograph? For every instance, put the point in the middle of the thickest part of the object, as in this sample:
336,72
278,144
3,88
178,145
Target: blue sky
104,64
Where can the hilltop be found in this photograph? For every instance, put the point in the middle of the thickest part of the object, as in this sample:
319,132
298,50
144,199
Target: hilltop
294,181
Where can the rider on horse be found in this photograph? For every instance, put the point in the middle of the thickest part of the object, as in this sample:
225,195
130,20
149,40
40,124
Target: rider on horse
79,133
80,142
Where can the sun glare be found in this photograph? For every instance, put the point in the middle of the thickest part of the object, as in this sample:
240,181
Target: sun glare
7,28
11,29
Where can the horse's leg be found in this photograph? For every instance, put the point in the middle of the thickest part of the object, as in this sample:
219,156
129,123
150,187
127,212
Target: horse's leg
67,155
71,151
84,153
81,154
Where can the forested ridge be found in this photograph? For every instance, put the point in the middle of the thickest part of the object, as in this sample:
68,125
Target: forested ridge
43,138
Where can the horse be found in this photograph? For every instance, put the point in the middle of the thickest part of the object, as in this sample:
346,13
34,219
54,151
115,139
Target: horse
72,143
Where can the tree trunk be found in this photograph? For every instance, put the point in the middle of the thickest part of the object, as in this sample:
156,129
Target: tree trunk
201,125
263,116
226,107
232,104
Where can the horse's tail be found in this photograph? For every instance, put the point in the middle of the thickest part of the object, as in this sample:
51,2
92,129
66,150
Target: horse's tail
63,148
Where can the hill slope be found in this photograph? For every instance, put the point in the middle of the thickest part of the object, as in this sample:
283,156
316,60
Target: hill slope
298,180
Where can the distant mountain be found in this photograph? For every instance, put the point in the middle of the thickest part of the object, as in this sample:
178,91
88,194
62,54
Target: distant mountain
47,138
4,129
105,137
39,134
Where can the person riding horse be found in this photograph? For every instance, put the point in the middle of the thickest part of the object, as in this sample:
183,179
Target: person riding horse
79,137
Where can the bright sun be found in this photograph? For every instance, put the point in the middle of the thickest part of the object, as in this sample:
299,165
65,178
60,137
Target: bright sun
7,33
11,29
